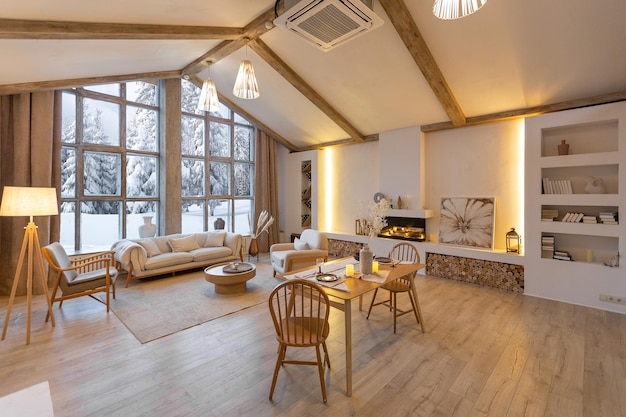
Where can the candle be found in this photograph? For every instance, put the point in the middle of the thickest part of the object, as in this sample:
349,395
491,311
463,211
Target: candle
349,270
589,255
374,266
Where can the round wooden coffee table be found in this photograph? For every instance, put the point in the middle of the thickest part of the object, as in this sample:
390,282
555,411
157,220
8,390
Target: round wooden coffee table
230,278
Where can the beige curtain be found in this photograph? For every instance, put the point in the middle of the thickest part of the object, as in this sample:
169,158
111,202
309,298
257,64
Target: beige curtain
29,156
266,187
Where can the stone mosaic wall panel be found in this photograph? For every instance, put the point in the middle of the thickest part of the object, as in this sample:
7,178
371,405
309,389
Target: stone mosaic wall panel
500,275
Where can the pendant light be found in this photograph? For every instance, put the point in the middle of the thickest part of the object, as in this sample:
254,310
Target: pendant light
456,9
208,96
246,86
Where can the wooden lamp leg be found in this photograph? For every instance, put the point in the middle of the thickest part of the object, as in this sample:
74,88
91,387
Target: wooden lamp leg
30,237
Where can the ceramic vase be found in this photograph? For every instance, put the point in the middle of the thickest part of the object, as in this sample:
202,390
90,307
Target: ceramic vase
147,229
563,148
219,224
366,257
254,247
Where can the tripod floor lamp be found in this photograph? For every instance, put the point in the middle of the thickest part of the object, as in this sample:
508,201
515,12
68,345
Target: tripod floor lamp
29,201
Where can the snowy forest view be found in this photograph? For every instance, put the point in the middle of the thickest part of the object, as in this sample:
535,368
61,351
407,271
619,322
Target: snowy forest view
217,168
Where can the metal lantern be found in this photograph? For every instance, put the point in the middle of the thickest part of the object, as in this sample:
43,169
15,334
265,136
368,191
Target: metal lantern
513,241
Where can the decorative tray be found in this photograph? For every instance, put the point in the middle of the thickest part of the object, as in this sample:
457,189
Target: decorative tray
382,260
327,277
236,268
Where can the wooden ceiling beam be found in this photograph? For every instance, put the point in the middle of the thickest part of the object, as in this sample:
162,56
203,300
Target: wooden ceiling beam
79,82
530,111
416,45
298,82
38,29
252,30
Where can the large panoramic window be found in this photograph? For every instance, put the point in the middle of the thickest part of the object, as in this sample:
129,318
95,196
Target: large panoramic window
217,167
109,163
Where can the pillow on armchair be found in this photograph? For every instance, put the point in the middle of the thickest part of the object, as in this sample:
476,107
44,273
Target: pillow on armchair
302,253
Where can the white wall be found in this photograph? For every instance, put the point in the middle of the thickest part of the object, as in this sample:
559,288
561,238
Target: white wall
479,161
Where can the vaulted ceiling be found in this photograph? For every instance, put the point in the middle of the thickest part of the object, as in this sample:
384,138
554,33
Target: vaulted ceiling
511,58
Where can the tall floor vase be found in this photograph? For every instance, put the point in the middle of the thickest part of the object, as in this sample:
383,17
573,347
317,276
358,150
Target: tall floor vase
254,247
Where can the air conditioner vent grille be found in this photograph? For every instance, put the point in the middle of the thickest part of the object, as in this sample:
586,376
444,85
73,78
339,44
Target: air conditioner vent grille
328,23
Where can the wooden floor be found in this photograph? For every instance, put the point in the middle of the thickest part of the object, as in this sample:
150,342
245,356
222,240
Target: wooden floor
486,353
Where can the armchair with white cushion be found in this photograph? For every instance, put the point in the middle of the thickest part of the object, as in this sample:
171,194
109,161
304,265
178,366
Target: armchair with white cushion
302,253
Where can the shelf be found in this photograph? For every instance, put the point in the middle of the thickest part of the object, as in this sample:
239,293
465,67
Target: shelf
598,229
602,158
580,200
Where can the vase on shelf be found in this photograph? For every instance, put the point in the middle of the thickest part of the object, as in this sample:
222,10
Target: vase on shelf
366,258
563,148
147,229
254,247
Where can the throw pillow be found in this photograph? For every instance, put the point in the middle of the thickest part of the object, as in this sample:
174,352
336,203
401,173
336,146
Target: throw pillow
214,240
300,245
183,244
151,248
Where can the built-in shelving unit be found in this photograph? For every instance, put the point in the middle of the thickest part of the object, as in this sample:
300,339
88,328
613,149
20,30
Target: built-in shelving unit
589,181
306,195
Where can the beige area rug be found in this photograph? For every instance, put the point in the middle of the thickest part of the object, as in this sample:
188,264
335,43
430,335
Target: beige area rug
157,307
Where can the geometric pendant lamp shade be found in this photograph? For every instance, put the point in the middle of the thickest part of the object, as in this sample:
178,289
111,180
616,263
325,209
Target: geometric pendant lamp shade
246,86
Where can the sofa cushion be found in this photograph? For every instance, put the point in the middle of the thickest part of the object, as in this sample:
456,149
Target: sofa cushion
168,259
300,245
206,254
151,247
183,244
214,239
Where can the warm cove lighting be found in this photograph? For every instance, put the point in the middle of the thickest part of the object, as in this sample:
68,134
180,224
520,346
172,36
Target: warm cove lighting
456,9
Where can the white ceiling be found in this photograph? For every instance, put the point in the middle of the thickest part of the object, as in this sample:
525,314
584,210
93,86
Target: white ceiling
510,55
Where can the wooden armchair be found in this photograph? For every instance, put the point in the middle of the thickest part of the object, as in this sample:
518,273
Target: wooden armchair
82,276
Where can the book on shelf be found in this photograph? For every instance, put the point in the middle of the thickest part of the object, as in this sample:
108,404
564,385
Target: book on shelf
549,215
573,217
590,219
562,255
608,217
557,186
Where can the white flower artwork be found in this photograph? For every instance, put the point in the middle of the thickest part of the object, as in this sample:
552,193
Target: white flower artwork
467,221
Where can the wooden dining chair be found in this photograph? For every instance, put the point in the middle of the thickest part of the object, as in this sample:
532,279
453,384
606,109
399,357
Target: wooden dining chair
407,253
300,311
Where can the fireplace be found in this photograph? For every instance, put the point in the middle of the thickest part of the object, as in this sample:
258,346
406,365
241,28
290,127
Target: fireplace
405,228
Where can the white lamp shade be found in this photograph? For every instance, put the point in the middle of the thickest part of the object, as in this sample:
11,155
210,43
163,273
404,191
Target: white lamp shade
456,9
208,97
29,201
245,84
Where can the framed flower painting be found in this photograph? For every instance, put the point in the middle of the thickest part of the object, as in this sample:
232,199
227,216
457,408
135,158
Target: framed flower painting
467,221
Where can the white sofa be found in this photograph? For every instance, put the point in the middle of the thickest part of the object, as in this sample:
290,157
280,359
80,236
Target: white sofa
303,252
158,255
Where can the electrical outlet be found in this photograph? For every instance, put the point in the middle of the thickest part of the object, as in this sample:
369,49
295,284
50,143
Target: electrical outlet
613,299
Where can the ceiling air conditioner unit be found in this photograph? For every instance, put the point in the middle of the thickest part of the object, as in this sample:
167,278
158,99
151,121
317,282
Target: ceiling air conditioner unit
328,23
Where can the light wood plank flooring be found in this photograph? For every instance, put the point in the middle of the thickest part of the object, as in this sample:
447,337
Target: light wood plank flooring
486,353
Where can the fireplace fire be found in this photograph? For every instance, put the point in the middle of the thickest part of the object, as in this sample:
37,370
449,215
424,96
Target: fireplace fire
405,228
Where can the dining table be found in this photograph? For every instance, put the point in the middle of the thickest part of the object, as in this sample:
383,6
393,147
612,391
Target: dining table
347,288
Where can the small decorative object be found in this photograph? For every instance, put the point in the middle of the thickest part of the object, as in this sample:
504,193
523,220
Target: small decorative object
563,148
147,229
366,258
219,224
378,197
358,230
589,255
512,241
613,261
594,185
399,202
374,267
349,270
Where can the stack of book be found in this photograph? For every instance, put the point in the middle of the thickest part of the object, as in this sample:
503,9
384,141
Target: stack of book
557,186
547,247
549,215
573,217
563,256
608,217
590,219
